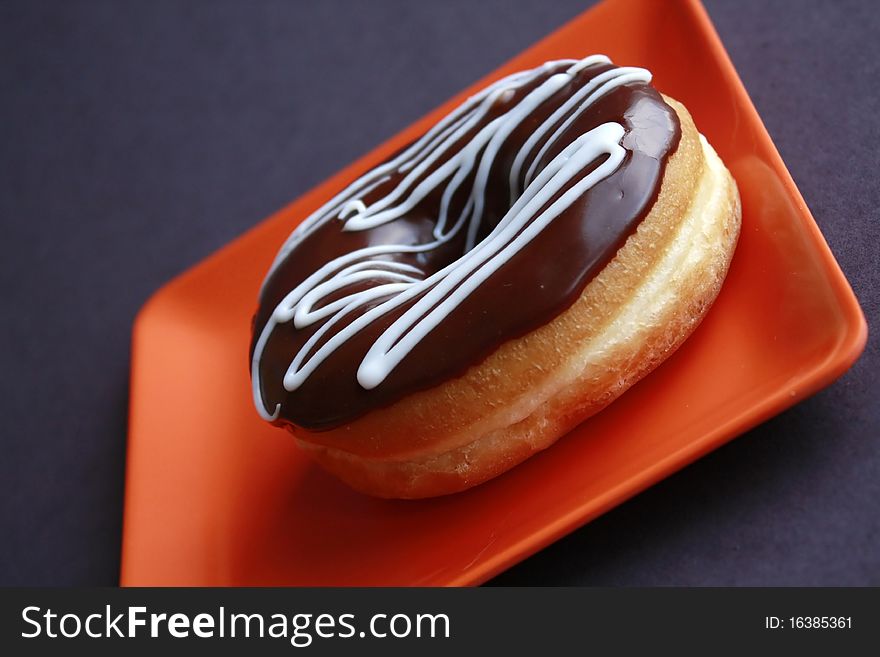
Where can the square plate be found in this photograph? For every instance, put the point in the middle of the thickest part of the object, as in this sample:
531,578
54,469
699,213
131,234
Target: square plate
216,497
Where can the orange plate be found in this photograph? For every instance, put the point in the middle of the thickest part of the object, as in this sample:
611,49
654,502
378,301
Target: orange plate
216,497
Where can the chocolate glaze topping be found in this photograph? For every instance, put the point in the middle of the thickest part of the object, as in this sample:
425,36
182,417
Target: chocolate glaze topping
524,289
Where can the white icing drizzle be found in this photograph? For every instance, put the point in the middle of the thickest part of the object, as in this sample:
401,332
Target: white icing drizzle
430,164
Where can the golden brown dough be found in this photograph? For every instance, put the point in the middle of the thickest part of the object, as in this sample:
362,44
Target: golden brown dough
632,316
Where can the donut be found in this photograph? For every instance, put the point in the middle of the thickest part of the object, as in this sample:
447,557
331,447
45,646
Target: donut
494,283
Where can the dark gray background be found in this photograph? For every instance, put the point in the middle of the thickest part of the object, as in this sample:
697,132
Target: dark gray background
137,138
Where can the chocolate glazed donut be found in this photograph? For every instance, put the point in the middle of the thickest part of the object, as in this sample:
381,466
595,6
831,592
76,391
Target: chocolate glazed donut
400,289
